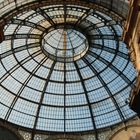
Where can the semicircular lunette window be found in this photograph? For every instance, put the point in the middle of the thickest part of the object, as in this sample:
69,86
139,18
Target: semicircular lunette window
64,73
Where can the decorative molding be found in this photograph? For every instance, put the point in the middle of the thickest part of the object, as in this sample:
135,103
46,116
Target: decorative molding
133,123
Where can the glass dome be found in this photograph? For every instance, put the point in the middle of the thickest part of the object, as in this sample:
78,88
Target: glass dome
64,69
65,45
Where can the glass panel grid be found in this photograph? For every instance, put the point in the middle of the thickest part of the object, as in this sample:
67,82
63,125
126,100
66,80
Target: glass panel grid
65,96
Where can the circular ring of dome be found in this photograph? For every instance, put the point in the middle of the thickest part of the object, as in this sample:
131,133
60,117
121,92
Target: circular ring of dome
56,96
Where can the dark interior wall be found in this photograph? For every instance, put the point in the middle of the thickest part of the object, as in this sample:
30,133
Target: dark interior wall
6,134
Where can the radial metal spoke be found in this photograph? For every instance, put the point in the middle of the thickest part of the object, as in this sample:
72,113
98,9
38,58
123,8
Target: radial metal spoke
65,51
46,16
106,88
65,15
64,97
87,99
22,88
84,16
41,99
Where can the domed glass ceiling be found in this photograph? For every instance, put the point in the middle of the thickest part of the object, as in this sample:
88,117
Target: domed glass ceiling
64,69
65,45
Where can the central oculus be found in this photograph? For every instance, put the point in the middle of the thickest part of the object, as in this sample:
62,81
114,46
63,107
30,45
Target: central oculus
65,45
